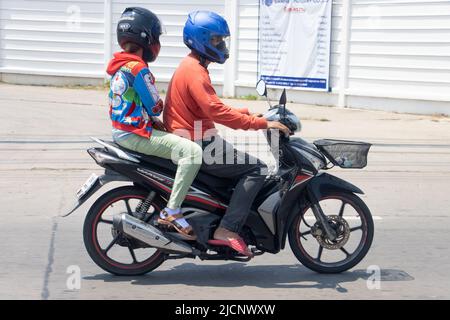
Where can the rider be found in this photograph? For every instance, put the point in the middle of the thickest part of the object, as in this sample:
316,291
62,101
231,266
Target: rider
192,98
135,104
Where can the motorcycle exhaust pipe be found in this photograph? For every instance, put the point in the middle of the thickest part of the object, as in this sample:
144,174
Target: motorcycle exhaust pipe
148,234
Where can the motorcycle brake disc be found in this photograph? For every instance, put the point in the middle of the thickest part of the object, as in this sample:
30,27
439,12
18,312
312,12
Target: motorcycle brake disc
342,229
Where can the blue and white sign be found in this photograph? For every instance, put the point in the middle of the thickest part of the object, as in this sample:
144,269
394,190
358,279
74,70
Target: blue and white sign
294,43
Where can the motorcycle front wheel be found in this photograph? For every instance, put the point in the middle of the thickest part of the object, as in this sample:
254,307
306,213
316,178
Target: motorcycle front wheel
349,216
112,250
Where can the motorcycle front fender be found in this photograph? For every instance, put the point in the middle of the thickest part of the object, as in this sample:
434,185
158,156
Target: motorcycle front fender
325,182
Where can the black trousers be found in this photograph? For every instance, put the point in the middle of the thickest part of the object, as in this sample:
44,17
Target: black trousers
222,160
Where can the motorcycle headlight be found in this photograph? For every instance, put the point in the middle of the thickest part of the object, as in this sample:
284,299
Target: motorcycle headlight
291,120
316,162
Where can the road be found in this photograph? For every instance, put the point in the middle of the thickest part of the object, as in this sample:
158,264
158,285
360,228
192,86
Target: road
43,139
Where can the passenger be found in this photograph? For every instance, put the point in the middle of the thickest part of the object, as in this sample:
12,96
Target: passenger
135,104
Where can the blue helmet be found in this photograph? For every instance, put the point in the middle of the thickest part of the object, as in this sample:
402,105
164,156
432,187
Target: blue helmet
198,31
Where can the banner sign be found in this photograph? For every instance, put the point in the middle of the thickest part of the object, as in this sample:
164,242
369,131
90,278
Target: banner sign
294,43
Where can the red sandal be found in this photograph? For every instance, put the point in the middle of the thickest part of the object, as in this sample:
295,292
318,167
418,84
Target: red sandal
236,244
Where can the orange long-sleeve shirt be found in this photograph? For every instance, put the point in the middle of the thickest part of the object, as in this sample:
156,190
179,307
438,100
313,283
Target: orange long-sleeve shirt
191,97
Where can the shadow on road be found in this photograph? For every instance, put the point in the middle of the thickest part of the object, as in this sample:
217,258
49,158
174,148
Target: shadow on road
236,275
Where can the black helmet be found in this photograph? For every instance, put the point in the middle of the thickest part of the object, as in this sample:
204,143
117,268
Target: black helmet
142,27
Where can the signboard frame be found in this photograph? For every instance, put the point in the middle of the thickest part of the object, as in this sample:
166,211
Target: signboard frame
297,81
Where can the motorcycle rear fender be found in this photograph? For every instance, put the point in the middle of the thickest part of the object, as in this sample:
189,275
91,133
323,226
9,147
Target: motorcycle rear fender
109,176
318,186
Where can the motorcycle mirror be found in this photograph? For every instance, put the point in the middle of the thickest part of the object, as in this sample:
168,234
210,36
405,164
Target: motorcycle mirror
283,98
261,88
283,102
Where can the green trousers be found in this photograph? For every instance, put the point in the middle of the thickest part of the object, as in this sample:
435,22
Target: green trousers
185,153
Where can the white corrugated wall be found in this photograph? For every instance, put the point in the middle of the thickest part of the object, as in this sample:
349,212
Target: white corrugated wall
52,37
400,49
386,54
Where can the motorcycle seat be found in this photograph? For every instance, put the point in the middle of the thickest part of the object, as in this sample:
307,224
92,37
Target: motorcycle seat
167,164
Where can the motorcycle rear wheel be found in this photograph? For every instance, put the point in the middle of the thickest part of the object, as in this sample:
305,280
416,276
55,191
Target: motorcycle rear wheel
124,198
298,238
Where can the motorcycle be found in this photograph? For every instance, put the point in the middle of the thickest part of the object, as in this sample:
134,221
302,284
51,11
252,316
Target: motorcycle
329,228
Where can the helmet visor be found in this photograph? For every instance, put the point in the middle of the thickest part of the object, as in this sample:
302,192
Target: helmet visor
220,42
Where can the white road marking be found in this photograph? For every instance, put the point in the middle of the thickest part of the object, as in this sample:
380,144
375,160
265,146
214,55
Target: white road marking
348,218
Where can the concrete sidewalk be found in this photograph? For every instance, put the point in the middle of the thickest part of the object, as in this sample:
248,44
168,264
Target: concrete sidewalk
318,121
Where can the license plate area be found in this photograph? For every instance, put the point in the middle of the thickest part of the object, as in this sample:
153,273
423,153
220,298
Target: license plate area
87,185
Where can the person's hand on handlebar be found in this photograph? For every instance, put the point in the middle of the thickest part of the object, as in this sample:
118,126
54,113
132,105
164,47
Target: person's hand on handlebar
279,126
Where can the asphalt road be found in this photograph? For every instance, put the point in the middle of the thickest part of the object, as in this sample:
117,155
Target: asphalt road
43,162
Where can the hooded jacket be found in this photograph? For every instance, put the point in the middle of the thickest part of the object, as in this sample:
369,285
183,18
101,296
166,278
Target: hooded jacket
133,97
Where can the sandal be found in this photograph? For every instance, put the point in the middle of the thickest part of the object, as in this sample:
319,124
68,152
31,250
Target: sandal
171,220
236,244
